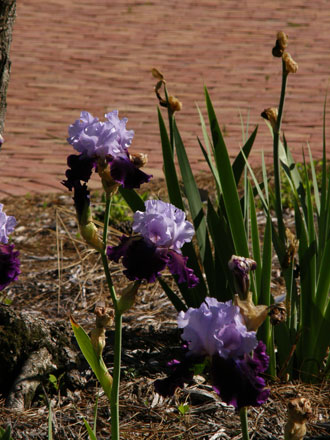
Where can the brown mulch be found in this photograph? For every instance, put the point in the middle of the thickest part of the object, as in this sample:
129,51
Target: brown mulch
61,276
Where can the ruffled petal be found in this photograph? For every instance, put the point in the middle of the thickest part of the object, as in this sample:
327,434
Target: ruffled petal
142,259
80,168
237,381
182,372
177,265
126,173
9,265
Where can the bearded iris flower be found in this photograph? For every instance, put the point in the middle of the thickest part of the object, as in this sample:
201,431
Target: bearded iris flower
7,225
162,231
215,334
9,262
101,144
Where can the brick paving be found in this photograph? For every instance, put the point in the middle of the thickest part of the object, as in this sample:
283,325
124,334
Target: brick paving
70,55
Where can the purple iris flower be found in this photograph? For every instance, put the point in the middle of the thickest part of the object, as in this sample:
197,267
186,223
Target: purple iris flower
163,230
9,265
93,138
164,225
216,332
7,225
216,328
106,141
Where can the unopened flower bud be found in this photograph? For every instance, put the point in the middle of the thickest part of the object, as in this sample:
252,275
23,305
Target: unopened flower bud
90,235
104,318
290,65
240,267
270,114
175,104
127,296
157,74
253,315
280,45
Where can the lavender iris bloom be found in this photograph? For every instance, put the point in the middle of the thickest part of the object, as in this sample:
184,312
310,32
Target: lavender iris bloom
106,141
93,138
164,225
216,328
163,230
216,333
7,225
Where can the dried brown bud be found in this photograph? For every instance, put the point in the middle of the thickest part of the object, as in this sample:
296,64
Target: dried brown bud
290,65
104,318
175,104
253,315
277,313
280,45
271,115
299,411
157,74
292,244
139,159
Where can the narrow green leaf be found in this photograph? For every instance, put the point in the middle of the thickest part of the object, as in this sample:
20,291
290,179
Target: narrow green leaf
91,434
239,162
315,185
224,249
132,198
173,297
171,177
228,184
5,434
196,209
96,363
255,241
323,284
264,176
211,166
95,413
209,147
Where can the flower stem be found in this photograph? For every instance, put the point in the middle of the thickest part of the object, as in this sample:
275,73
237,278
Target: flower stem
278,200
114,398
244,423
103,254
114,402
106,219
